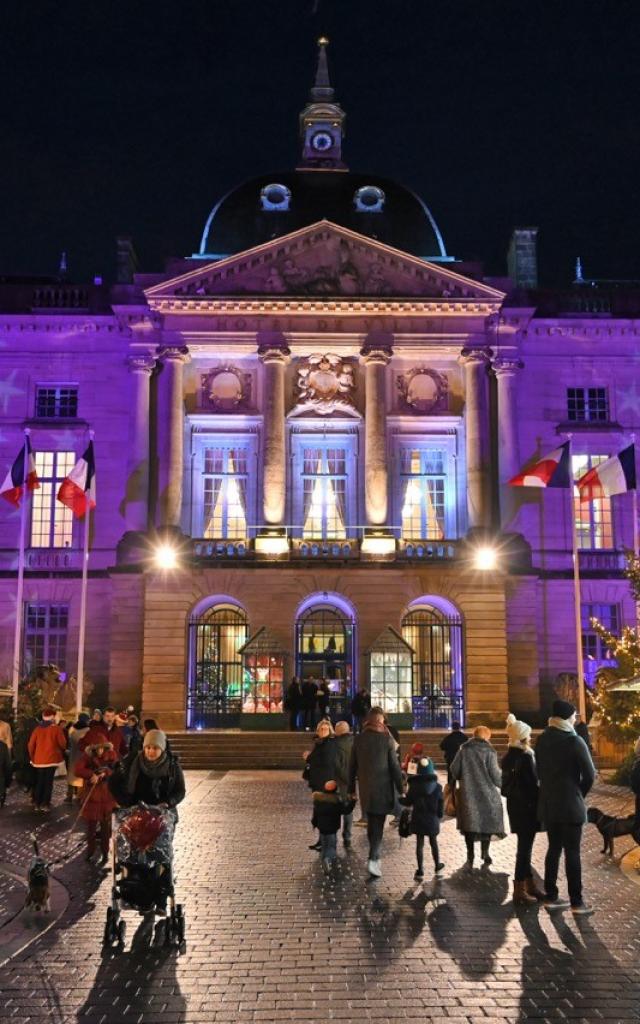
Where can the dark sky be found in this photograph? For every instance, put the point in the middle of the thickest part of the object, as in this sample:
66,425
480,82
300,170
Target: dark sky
134,116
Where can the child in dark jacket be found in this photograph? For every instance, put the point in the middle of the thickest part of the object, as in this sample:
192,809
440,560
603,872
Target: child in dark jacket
327,816
424,796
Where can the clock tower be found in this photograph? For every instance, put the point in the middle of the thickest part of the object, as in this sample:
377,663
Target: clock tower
322,122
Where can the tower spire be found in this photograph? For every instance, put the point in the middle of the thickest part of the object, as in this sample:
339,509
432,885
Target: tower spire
322,121
322,89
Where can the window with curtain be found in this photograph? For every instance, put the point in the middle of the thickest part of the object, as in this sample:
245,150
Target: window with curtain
225,492
594,525
423,493
45,635
324,476
51,521
593,646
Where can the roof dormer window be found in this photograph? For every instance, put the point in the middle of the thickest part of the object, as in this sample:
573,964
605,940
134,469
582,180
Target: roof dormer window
275,197
369,199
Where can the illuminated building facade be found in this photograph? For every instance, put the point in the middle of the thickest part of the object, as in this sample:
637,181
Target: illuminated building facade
317,413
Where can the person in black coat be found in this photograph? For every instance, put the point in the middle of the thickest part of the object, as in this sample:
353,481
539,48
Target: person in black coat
293,703
567,773
323,699
6,771
153,776
451,744
520,787
321,763
360,708
309,691
424,796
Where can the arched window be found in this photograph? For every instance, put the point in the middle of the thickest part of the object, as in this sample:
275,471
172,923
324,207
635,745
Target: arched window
215,679
325,650
434,631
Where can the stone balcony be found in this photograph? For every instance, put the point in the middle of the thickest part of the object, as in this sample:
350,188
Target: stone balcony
364,546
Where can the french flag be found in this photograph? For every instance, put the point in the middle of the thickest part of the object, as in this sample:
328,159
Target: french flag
16,479
78,489
552,471
616,475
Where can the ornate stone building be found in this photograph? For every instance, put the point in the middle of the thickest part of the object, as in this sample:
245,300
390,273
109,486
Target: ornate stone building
303,433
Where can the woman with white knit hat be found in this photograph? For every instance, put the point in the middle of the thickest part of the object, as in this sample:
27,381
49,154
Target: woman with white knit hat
520,786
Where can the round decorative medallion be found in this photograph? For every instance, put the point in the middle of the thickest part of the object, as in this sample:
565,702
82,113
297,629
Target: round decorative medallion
227,388
423,390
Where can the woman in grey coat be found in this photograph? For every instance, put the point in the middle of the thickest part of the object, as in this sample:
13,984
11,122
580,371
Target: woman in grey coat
478,802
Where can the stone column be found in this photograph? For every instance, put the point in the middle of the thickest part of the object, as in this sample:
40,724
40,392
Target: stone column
137,493
274,355
506,369
475,362
376,355
173,359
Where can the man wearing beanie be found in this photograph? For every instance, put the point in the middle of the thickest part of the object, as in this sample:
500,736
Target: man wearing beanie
567,773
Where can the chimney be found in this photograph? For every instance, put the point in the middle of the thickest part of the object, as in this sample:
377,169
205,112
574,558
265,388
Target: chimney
126,260
522,258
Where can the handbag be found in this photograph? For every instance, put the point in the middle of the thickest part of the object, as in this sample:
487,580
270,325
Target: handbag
449,796
404,824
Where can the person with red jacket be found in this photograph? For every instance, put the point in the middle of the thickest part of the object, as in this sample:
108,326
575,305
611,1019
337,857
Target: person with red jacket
95,766
107,730
46,748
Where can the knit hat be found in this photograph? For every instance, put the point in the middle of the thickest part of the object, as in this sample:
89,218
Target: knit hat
562,709
83,720
155,738
426,766
417,750
517,731
48,713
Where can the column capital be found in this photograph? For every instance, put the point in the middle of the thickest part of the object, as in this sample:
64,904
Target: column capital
274,353
141,362
507,366
372,354
173,353
469,356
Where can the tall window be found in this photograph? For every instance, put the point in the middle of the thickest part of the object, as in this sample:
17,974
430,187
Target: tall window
56,402
45,635
594,525
422,480
51,522
608,615
587,405
225,492
324,493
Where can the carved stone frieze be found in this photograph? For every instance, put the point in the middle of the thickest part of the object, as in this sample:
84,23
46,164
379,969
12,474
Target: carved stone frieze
324,385
226,388
423,390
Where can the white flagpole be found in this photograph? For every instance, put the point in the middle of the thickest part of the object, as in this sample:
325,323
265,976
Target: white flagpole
582,703
17,635
83,606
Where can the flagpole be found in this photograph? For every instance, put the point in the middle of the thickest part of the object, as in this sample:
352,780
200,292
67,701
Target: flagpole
582,703
83,604
17,635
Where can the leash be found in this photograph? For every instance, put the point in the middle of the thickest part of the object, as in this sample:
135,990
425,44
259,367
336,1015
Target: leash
69,853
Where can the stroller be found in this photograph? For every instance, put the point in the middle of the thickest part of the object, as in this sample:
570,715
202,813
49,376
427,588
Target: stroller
142,872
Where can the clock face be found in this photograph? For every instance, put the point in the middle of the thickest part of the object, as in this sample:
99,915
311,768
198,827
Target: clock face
321,141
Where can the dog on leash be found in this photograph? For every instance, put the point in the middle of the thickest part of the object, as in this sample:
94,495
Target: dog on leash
38,882
612,828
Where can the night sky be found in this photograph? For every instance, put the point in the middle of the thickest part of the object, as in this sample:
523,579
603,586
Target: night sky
134,117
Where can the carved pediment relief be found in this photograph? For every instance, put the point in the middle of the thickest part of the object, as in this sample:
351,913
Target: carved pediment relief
324,385
324,260
226,389
423,390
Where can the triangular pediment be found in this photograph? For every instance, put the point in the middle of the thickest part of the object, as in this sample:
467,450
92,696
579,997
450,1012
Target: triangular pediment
323,260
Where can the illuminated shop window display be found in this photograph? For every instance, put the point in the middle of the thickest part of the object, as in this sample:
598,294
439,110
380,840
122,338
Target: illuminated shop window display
263,673
391,673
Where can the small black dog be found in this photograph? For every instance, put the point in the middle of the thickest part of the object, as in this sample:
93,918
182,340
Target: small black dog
38,881
611,828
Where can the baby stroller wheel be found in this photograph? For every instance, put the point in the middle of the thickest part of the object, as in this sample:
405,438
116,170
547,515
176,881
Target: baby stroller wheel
121,932
110,928
179,924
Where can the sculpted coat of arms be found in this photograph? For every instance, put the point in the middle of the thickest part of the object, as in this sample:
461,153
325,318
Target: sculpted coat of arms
324,385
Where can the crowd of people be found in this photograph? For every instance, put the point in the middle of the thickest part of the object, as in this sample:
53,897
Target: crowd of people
110,760
308,701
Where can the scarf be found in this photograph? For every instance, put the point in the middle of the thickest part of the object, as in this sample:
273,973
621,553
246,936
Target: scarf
562,724
374,726
155,770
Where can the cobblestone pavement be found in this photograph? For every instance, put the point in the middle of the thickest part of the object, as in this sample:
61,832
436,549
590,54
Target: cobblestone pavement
269,938
12,895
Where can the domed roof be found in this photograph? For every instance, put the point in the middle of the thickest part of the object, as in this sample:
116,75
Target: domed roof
273,205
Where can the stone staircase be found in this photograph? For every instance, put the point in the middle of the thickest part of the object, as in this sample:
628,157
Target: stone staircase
225,750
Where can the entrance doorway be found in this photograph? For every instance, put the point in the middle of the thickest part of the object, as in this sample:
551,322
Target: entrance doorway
325,652
214,698
435,634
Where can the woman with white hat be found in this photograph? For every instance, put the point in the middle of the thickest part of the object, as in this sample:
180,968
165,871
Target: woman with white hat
520,786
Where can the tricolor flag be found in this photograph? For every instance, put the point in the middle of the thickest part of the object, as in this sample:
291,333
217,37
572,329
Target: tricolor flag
78,489
552,471
15,480
616,475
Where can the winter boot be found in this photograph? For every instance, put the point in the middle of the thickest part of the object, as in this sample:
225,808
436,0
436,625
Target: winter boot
521,896
532,889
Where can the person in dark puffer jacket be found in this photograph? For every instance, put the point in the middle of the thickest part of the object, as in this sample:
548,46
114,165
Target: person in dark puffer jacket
424,796
520,787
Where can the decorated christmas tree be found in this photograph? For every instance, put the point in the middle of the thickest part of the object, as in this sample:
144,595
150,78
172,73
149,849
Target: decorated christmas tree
619,712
